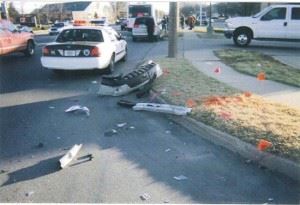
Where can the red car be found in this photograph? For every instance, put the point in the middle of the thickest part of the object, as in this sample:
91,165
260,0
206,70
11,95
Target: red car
14,40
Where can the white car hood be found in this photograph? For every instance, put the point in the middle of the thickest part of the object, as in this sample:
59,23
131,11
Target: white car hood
239,20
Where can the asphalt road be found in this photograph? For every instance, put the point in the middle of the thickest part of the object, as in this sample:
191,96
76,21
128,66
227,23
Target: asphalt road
125,166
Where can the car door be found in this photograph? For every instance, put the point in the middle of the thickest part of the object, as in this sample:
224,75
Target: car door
117,45
273,24
7,42
293,24
18,41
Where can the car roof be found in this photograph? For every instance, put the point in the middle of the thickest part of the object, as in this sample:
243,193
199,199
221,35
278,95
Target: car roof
84,27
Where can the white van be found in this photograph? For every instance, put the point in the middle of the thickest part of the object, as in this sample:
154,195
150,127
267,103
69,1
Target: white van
139,30
277,22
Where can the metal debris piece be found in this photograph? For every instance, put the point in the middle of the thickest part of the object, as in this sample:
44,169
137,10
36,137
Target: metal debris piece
28,194
126,103
120,125
180,177
168,132
94,82
2,171
168,150
69,156
145,196
88,157
51,107
270,199
78,108
164,108
132,127
110,133
140,78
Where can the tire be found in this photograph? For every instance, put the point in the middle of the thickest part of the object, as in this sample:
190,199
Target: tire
125,57
111,66
29,51
242,38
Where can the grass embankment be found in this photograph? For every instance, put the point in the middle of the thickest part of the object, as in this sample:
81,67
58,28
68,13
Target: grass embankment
252,63
243,115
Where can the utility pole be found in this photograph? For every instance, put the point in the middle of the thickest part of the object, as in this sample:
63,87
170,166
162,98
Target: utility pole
209,28
200,13
173,16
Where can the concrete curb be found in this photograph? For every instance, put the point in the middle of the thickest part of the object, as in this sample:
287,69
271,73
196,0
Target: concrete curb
236,145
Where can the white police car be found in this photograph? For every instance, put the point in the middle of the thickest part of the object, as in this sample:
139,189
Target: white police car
85,47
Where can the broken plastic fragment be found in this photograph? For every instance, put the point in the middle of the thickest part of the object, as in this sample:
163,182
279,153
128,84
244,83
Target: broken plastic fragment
164,108
190,103
181,177
110,133
145,196
247,94
94,82
168,132
78,108
168,150
132,127
263,145
225,116
120,125
28,194
261,76
69,156
51,107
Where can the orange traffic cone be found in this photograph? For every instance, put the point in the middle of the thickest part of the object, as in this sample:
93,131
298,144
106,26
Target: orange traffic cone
263,145
217,70
261,76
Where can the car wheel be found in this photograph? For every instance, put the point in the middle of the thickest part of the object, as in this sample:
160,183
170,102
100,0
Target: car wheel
242,38
125,56
111,66
29,49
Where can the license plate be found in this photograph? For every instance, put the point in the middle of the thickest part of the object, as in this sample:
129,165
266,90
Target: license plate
69,53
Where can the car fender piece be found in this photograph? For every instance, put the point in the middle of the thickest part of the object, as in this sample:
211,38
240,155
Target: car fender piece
120,85
164,108
69,156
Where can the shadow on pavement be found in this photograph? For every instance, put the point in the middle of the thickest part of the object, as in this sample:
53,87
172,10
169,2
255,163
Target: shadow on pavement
40,169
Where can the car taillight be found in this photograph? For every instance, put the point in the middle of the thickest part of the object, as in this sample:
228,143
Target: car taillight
95,52
136,25
46,51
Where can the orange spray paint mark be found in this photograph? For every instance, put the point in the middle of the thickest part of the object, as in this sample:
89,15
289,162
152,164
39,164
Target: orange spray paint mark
261,76
190,103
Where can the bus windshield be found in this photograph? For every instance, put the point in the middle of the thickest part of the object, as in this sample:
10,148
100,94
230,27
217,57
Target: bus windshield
139,10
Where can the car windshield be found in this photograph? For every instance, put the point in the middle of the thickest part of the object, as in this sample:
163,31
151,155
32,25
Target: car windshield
59,25
260,13
80,35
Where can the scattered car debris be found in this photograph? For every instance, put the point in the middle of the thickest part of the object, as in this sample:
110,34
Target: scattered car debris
261,76
2,171
94,82
110,133
51,107
58,138
140,78
168,150
181,177
132,127
258,65
78,108
120,125
126,103
270,199
248,161
164,108
145,196
168,132
28,194
88,157
69,156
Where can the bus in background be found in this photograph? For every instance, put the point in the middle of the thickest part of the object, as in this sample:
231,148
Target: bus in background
139,10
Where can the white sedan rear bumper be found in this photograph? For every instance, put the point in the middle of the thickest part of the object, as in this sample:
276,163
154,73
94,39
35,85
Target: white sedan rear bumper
74,63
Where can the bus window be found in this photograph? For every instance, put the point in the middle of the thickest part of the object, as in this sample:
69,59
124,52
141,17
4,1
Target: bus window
139,10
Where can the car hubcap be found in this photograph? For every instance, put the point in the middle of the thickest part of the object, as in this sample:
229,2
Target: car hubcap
242,39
